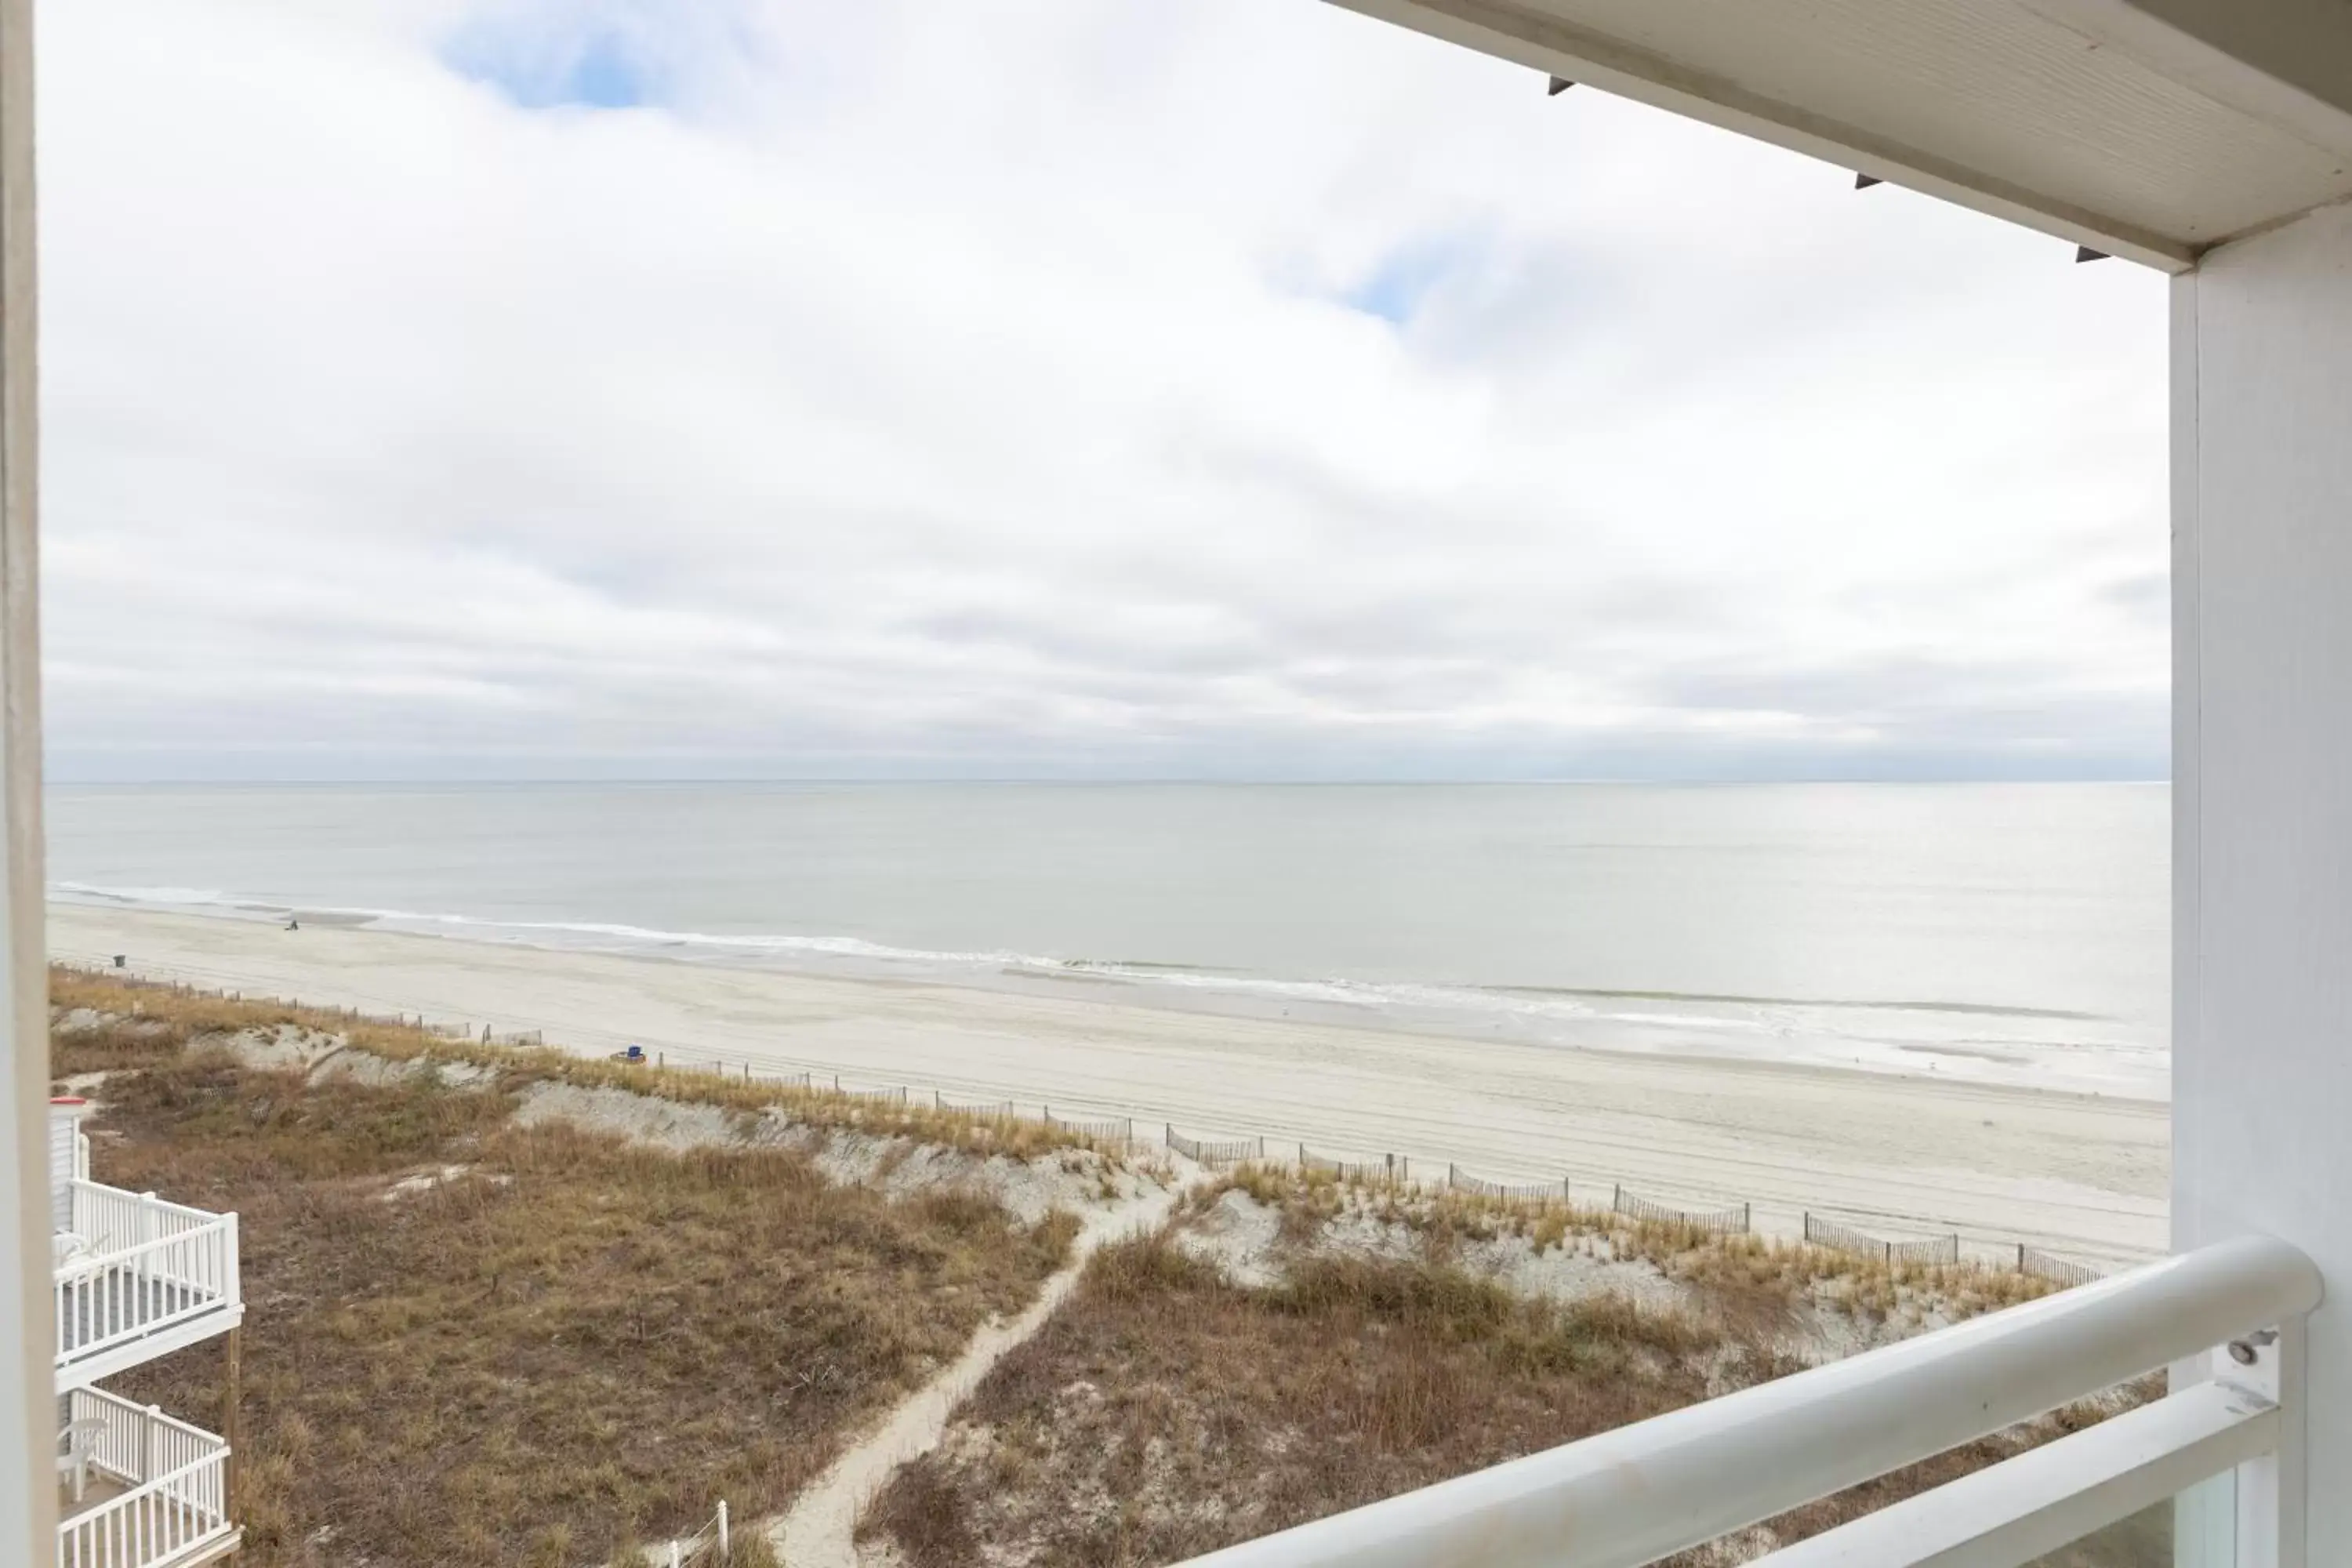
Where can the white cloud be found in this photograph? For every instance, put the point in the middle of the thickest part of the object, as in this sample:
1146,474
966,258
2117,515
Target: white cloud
934,389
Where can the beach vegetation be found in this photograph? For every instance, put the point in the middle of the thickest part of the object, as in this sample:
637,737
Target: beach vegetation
1166,1411
159,1018
472,1341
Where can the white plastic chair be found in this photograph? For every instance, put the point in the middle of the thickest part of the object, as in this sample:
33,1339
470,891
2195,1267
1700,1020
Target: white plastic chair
77,1442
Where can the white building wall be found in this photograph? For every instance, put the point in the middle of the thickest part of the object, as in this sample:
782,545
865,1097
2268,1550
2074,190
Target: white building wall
65,1135
2263,801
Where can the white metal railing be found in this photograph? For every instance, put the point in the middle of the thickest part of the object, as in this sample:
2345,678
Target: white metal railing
1631,1495
139,1265
177,1477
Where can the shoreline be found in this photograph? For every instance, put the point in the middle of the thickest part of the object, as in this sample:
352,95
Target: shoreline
2095,1054
2072,1171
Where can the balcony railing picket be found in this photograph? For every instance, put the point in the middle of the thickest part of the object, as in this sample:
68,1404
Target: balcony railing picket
177,1477
145,1265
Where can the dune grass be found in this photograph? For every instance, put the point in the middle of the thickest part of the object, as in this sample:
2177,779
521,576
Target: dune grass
1751,1272
546,1342
163,1015
1165,1411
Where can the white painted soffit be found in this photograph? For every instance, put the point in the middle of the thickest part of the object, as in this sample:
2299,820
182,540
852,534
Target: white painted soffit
2093,119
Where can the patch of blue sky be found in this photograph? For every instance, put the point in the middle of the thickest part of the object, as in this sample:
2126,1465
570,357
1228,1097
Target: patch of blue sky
547,70
1401,280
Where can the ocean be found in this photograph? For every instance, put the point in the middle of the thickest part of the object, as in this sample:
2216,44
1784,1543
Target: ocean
2007,933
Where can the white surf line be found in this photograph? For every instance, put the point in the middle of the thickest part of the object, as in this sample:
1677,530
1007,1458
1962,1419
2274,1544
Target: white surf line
820,1529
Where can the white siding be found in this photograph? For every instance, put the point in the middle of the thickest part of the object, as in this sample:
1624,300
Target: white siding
65,1133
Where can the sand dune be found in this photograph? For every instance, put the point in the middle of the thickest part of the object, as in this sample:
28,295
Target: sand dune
2081,1175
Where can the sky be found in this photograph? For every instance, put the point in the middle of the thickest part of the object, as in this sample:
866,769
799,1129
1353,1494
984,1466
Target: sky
1047,388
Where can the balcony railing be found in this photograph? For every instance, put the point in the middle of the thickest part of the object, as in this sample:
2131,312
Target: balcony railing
155,1494
137,1276
2231,1312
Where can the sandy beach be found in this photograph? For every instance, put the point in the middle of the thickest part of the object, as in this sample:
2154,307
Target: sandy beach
2086,1176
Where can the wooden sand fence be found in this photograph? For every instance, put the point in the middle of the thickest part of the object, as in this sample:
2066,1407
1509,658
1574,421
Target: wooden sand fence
1718,1222
1388,1170
711,1543
1114,1130
2057,1270
979,1111
1930,1251
1457,1180
1212,1152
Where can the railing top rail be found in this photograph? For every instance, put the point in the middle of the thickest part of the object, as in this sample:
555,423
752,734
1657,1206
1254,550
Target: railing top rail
161,1206
99,1262
145,1489
1641,1492
120,1405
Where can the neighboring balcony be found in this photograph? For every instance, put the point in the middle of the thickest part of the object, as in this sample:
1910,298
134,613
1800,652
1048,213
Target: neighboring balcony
137,1488
137,1278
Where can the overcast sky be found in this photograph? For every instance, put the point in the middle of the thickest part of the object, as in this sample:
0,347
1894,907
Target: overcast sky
1156,388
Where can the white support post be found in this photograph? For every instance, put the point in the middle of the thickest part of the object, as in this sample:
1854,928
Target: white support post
2261,1065
726,1551
28,1498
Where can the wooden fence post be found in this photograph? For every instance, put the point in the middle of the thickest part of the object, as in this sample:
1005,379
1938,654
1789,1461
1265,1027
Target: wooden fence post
232,1413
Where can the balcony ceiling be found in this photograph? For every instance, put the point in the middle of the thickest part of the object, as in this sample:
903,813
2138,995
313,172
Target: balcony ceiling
2152,128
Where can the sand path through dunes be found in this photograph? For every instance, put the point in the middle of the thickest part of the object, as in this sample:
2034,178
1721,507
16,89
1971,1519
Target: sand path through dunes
2077,1174
820,1530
